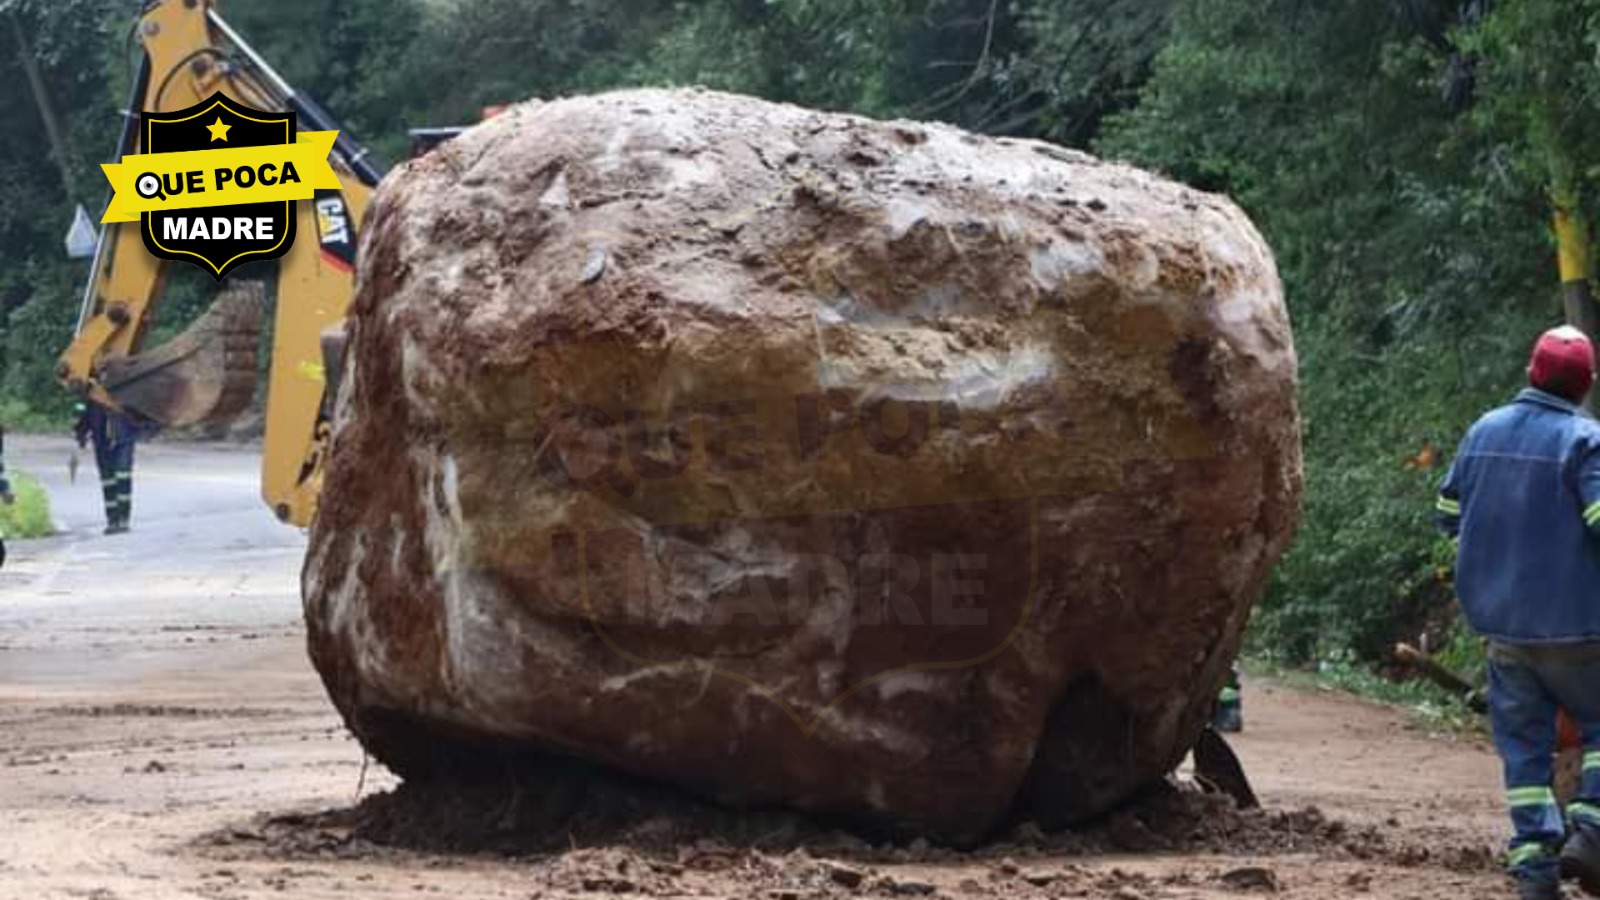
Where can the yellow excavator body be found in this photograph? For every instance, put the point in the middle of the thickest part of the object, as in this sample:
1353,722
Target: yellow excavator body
209,372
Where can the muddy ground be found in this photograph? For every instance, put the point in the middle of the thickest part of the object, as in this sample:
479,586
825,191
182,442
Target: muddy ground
162,736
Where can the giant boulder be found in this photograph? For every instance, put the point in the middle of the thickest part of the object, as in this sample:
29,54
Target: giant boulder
876,469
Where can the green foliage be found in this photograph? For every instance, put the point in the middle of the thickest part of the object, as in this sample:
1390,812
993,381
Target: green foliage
1537,87
37,324
71,43
29,516
1368,566
1464,653
348,56
23,418
1417,273
1083,60
1434,708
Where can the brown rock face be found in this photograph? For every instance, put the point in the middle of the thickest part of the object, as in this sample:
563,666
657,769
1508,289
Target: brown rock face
874,469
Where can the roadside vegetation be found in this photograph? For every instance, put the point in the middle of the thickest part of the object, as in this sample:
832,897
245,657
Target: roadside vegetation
1432,708
29,516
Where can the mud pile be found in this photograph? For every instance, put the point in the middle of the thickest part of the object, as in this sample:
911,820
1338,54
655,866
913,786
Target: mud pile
873,469
666,846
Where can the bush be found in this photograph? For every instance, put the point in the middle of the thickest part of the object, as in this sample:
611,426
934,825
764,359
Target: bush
1368,566
29,517
1434,708
23,417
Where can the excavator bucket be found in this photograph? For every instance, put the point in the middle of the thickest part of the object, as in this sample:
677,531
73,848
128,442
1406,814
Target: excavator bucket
1219,771
205,374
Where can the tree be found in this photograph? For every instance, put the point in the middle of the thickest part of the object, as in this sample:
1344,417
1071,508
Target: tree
1411,265
51,135
1539,96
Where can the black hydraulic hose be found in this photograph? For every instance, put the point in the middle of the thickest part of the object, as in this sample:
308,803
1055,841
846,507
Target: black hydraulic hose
349,151
354,155
130,116
166,80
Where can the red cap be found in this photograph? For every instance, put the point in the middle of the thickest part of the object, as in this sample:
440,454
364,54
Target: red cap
1562,363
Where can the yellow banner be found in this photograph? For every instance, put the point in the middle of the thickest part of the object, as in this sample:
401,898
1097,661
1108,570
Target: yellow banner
226,176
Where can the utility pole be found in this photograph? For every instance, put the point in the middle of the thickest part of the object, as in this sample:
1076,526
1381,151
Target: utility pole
41,99
1572,253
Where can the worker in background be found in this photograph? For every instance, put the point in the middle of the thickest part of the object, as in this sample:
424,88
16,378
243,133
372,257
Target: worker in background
1523,500
1228,716
114,434
6,496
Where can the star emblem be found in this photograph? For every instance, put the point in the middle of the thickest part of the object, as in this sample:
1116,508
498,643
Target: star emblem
219,131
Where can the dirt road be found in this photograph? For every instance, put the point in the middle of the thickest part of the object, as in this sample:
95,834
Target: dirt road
162,735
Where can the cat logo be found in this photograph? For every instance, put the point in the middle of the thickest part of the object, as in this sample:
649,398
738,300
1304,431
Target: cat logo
333,230
331,221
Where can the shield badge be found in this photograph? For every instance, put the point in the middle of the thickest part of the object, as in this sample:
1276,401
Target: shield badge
212,237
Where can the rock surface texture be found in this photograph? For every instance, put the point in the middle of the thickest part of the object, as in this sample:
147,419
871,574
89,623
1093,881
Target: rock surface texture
876,469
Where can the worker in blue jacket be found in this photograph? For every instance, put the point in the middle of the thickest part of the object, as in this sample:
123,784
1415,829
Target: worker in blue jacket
114,434
1523,500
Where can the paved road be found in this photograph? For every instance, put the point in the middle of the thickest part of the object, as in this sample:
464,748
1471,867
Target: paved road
206,562
154,685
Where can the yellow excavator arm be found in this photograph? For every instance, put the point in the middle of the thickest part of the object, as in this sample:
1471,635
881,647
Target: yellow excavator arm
208,373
